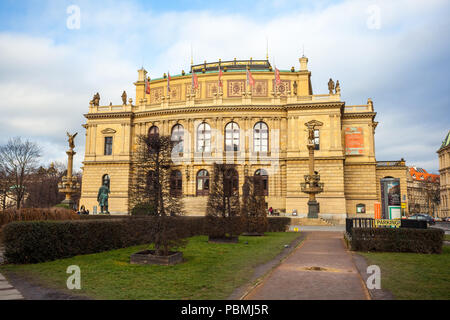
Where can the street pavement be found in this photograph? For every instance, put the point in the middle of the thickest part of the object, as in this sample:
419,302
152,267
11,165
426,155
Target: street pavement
319,269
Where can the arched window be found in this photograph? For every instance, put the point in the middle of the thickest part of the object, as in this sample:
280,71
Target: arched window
202,183
231,182
204,138
360,208
261,180
232,137
153,132
153,135
106,181
176,183
260,137
177,137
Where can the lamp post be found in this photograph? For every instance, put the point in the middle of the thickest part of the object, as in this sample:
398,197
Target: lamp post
312,186
69,184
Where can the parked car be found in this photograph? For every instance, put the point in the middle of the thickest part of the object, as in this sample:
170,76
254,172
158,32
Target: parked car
421,216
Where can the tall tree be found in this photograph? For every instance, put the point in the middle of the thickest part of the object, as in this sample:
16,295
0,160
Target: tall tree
5,185
253,210
151,190
42,187
223,208
18,159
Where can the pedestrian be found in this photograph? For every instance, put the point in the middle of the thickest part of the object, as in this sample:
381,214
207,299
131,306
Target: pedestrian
270,211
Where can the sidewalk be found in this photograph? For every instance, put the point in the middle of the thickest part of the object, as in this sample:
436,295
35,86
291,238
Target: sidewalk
320,269
7,291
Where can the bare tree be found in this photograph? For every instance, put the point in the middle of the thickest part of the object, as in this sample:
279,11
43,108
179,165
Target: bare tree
223,208
18,159
42,187
253,210
5,185
151,190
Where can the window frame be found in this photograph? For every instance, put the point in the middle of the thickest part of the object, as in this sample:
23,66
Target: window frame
110,144
203,138
205,182
258,140
232,135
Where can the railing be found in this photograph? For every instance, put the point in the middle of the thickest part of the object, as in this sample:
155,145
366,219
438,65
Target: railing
400,163
358,223
357,108
169,104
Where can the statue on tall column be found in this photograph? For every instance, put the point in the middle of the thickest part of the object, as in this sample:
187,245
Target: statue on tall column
102,197
331,86
71,138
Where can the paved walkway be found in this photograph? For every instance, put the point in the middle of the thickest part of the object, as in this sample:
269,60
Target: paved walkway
320,269
7,291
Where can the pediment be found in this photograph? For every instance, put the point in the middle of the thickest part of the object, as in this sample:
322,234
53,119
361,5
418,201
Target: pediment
108,131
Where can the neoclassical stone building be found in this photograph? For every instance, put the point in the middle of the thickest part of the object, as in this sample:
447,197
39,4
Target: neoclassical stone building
259,124
444,170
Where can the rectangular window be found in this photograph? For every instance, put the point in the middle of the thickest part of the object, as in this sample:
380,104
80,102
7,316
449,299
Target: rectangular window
108,146
316,140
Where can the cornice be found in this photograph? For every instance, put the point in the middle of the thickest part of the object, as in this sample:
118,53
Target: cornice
214,108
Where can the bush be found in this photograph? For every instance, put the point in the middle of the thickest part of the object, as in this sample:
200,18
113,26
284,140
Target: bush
143,209
32,214
62,205
397,240
278,224
39,241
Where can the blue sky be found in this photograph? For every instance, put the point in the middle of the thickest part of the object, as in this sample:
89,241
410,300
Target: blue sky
48,72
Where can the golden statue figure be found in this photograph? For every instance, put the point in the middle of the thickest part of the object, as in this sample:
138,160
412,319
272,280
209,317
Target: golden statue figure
71,138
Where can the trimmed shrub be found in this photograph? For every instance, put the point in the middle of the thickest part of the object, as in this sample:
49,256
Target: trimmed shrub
62,205
397,240
33,214
39,241
143,209
278,224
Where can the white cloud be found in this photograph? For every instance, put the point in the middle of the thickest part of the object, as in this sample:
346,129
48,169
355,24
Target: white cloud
46,84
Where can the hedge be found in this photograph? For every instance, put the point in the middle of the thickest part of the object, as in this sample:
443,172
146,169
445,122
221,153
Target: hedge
36,214
397,240
39,241
278,224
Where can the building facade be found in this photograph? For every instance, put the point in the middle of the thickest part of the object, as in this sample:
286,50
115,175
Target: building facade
423,192
258,123
444,171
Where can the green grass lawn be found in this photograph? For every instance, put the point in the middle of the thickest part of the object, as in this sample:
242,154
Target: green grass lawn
447,237
413,276
211,271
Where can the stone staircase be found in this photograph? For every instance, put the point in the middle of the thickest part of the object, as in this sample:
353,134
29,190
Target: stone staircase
310,222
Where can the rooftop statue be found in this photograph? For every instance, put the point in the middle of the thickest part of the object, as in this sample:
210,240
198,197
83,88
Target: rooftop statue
331,86
338,87
124,97
96,99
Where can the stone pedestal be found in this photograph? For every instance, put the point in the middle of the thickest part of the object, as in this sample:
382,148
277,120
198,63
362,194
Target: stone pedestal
70,203
313,209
